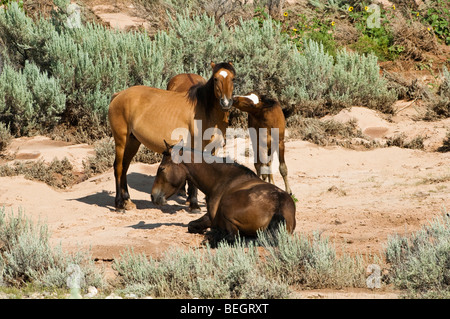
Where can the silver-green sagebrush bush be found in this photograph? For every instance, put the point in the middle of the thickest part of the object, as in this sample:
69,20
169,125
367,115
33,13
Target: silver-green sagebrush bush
26,256
264,268
29,99
420,263
88,64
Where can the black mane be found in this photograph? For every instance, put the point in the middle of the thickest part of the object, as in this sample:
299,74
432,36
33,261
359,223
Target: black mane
204,91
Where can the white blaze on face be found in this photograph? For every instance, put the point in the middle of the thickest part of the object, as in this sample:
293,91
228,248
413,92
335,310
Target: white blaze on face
224,74
253,97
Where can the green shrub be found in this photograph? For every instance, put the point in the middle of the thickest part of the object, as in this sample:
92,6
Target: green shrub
5,137
437,16
30,99
420,263
230,271
27,257
57,173
88,64
313,263
356,81
240,269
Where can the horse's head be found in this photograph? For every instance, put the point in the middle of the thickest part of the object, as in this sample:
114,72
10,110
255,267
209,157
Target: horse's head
169,178
223,76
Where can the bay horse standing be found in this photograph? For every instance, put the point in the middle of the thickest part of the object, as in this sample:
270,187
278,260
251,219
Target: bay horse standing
237,200
265,113
147,115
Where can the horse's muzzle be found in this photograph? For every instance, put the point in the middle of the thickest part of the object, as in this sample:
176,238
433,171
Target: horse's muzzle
158,199
226,103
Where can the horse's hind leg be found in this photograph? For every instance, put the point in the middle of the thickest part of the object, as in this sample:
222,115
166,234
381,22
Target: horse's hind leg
131,148
120,141
284,174
283,168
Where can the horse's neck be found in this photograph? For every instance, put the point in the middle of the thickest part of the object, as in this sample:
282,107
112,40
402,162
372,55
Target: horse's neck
218,116
209,105
203,175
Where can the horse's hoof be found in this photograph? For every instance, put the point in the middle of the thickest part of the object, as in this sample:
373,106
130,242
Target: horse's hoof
195,210
120,210
129,205
195,229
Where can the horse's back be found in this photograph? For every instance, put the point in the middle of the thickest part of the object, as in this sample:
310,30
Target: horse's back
253,204
150,114
184,81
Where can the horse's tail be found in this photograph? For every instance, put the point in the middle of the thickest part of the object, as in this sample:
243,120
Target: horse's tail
275,222
284,214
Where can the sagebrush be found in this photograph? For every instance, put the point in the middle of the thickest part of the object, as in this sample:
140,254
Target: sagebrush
68,75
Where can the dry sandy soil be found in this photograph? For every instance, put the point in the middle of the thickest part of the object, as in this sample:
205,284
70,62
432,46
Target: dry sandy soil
356,198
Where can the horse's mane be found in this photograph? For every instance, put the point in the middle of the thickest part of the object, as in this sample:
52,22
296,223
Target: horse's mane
204,91
268,102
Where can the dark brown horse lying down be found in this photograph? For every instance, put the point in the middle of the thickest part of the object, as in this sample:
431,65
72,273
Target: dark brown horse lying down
265,113
237,200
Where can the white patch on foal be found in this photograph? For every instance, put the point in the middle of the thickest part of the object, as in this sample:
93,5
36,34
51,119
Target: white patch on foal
253,97
224,74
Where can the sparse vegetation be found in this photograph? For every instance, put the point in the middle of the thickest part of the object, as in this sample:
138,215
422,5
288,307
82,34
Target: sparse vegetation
400,141
57,173
327,132
238,270
5,136
26,256
419,263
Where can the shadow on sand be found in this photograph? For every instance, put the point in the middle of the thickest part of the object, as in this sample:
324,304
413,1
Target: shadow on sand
141,183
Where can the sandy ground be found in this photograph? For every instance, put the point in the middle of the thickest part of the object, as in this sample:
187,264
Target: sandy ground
356,198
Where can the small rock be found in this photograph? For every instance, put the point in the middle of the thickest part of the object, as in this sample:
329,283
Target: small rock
92,292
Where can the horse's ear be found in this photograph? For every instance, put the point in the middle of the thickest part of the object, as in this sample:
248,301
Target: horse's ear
213,64
230,63
168,146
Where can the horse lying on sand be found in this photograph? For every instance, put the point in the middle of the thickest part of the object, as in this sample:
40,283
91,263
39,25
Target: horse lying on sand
237,200
266,113
142,114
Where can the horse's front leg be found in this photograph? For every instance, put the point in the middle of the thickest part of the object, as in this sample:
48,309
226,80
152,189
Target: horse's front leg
192,199
200,225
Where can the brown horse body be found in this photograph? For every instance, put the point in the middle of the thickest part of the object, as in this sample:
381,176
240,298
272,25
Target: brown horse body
237,200
267,114
142,114
184,81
